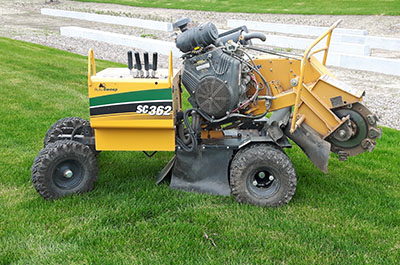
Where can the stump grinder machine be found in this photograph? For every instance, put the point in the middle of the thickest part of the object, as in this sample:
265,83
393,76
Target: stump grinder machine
246,102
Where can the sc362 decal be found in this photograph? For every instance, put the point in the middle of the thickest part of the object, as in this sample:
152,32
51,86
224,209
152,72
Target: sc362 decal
154,110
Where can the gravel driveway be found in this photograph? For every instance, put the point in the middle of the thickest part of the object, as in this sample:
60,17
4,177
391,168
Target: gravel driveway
21,19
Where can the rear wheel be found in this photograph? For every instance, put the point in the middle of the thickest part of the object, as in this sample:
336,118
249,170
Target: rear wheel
66,126
63,126
63,168
262,174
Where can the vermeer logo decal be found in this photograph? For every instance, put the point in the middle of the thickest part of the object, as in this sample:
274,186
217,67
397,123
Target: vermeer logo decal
102,87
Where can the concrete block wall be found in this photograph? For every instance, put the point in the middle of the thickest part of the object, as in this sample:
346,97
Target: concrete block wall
290,28
162,47
125,21
349,48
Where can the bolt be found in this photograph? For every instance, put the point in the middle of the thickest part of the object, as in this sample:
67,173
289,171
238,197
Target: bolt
342,133
68,173
371,119
261,175
271,178
255,183
366,144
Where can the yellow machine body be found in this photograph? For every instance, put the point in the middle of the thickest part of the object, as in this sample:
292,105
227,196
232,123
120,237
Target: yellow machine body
114,92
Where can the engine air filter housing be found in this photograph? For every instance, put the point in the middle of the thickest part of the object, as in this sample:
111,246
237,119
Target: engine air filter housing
200,36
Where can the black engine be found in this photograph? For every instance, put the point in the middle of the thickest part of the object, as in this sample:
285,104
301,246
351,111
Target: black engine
218,73
213,80
215,73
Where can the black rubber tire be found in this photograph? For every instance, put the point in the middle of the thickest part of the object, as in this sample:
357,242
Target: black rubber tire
262,158
55,130
44,169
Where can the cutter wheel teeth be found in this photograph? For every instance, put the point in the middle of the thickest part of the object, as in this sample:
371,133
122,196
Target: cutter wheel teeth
364,131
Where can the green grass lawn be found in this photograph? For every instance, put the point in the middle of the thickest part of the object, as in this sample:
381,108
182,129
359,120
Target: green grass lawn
308,7
349,216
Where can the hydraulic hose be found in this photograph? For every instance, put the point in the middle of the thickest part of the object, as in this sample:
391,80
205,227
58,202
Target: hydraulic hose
254,35
192,133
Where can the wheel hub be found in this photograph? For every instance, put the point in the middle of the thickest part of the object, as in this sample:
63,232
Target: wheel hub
263,183
68,174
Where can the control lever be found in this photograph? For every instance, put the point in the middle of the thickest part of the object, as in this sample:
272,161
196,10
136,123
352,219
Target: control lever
138,65
130,62
146,63
154,66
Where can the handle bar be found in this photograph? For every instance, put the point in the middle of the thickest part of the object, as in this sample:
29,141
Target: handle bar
307,54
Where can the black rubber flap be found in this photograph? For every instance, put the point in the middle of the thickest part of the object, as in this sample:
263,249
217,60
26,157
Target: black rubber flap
166,171
203,171
316,149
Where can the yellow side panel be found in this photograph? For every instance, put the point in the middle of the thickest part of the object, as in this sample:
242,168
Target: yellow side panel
135,139
326,92
118,122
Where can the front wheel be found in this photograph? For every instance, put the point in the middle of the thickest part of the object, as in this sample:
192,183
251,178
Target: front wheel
263,175
63,168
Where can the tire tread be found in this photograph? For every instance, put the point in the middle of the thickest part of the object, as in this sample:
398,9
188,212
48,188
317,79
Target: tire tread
260,153
41,164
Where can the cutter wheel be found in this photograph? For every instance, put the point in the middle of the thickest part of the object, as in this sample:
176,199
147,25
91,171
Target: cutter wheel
358,134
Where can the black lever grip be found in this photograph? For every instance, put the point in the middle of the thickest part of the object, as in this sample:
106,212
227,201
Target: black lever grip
146,61
138,63
130,60
155,58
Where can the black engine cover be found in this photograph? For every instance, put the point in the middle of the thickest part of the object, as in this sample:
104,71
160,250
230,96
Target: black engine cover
212,80
213,96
